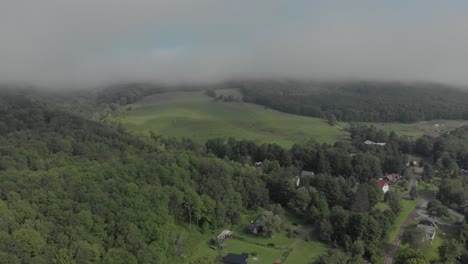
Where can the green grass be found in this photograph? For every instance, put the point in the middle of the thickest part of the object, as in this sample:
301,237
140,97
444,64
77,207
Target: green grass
306,251
196,116
244,242
427,187
433,127
280,240
265,254
382,206
443,233
432,252
407,207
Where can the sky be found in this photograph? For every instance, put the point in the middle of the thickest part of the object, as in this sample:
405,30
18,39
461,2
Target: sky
66,43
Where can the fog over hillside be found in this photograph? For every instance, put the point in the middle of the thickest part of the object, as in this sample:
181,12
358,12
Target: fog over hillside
81,43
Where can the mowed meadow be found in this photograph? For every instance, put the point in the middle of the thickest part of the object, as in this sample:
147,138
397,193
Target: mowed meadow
432,128
197,116
192,114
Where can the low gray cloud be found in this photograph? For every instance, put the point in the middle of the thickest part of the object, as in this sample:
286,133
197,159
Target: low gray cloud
92,42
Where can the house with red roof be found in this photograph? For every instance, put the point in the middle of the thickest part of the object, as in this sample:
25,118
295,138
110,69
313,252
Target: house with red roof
392,177
383,185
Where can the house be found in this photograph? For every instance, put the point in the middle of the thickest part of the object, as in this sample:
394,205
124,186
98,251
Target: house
368,142
256,227
430,228
392,177
383,185
236,258
305,173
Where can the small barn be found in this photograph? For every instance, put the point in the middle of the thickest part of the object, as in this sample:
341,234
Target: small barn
226,234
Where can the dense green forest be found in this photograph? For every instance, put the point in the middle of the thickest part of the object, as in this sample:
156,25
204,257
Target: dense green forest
123,94
359,101
77,191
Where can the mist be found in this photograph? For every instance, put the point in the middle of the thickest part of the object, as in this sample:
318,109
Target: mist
89,42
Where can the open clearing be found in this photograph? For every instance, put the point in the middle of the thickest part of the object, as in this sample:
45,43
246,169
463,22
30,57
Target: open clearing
194,115
197,116
306,251
301,251
432,128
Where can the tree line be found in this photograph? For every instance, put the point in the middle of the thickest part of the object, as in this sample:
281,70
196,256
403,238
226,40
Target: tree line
358,101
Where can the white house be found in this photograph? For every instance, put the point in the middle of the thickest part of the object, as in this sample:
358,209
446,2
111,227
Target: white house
383,185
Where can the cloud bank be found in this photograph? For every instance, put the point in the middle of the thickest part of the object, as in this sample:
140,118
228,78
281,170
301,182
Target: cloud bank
92,42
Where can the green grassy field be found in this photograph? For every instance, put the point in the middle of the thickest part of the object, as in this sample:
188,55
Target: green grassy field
432,128
194,115
306,251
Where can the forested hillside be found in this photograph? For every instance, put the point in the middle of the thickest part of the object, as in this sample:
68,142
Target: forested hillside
359,101
77,191
127,93
72,189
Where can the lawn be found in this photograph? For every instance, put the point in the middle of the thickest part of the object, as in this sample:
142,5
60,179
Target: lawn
244,242
432,252
306,251
264,254
407,207
196,116
443,233
382,206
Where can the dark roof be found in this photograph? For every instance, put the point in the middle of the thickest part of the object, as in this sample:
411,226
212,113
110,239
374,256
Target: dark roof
305,173
236,258
427,223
